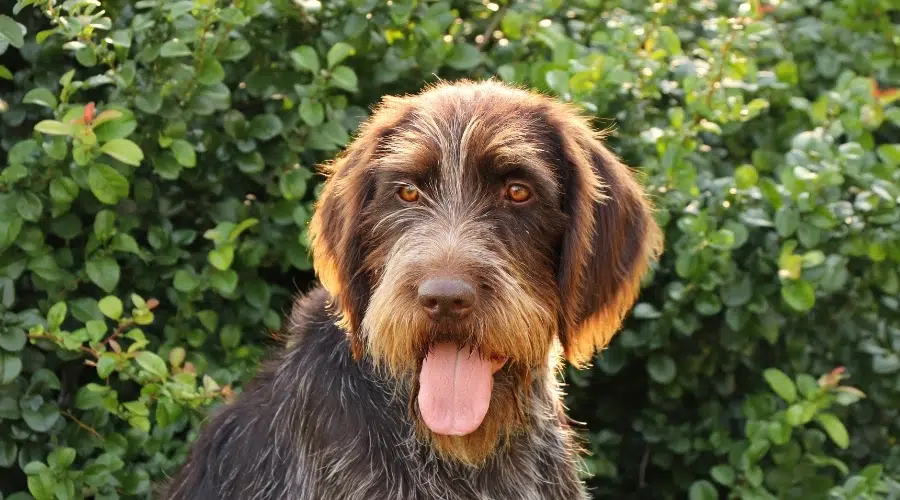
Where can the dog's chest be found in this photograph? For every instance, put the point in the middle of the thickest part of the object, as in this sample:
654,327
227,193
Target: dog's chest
411,473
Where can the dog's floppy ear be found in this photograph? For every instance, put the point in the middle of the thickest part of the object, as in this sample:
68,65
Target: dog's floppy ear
336,238
608,243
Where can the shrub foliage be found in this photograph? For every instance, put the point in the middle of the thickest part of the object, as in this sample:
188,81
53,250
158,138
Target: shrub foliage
159,177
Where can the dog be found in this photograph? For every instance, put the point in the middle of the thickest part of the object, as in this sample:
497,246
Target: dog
470,237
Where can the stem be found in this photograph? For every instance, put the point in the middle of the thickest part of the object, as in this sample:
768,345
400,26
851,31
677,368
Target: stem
83,425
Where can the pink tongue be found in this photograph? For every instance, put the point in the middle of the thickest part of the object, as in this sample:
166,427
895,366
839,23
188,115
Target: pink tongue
454,389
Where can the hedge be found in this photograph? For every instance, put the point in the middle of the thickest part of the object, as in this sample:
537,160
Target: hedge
159,175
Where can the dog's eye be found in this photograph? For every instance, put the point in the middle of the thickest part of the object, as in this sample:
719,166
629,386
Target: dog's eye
517,193
408,193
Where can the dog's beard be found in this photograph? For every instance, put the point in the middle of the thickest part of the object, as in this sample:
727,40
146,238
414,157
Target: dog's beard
511,324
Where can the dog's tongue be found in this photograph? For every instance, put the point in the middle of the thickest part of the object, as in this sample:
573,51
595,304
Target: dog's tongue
454,389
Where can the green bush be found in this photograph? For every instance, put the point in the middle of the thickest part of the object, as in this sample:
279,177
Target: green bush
159,178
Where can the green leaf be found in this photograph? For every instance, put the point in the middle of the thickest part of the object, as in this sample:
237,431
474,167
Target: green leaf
184,281
41,486
230,336
5,73
723,239
221,257
152,363
116,128
265,127
312,112
779,432
111,307
11,32
224,282
235,50
293,184
890,154
212,72
558,80
737,293
781,384
126,243
669,40
335,133
86,56
91,395
661,368
233,15
10,367
96,330
124,150
104,272
107,184
343,77
29,206
61,458
799,414
512,25
464,57
41,419
12,339
41,97
723,474
645,311
239,229
835,429
104,224
787,220
306,57
106,365
9,406
53,127
56,315
338,52
46,267
799,294
745,176
140,423
137,408
184,153
10,227
8,452
703,490
174,48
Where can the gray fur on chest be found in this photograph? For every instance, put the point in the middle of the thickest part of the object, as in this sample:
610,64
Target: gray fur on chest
386,461
536,467
316,425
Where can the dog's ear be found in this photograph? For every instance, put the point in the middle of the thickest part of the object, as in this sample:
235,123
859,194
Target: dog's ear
338,244
608,243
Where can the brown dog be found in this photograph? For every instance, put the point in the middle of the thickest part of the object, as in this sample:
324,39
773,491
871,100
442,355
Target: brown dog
469,235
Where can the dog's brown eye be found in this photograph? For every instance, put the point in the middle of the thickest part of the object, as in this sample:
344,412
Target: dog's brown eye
518,193
408,193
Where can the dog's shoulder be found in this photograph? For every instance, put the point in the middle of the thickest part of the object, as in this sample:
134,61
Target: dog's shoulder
308,412
316,347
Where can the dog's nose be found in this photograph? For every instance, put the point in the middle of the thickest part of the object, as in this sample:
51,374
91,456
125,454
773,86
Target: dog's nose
446,298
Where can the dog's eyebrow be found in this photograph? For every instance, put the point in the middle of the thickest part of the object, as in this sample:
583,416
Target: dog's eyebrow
525,157
406,153
535,169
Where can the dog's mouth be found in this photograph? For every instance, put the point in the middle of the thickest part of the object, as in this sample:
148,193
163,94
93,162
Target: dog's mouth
455,387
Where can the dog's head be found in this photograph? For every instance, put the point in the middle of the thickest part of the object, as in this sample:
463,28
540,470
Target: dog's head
465,232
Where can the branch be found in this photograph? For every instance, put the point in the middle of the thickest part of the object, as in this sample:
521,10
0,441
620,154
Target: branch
83,425
488,33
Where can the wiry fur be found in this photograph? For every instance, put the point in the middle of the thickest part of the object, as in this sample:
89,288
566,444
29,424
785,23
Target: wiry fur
335,414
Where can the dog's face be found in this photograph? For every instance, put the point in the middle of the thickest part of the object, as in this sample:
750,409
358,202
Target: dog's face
466,232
